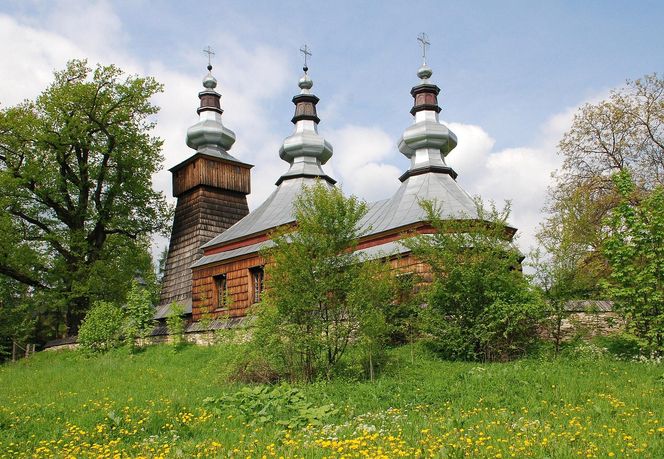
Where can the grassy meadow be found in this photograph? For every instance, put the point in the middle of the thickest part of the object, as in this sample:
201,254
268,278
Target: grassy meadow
153,404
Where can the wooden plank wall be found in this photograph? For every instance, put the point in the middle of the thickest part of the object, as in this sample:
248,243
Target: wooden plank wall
213,173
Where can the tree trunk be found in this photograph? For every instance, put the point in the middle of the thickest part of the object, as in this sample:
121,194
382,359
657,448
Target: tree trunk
76,310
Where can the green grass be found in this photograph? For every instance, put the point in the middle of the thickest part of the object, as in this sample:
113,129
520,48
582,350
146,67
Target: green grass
63,404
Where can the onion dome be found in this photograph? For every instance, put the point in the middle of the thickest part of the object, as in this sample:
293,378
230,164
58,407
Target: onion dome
209,135
305,150
426,142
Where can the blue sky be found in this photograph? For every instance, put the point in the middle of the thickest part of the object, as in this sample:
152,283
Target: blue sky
512,74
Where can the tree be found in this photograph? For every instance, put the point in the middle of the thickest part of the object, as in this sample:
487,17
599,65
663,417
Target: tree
16,321
624,132
78,206
101,329
480,305
635,250
320,293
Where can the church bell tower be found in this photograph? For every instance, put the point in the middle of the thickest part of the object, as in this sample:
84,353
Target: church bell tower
211,188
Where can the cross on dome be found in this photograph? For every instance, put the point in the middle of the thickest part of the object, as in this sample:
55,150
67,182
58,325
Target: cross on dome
210,53
306,51
424,40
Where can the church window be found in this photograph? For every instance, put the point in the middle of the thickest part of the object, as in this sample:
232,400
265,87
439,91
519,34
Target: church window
257,276
406,286
221,292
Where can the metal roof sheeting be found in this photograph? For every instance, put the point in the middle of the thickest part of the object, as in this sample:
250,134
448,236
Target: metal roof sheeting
589,306
228,254
277,210
404,207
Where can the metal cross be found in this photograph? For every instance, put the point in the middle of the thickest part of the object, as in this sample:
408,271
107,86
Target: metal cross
210,53
307,52
422,38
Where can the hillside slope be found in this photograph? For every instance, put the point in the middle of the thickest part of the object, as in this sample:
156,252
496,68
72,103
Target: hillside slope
63,404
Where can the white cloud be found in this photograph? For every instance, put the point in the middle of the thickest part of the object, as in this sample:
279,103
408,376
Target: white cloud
29,54
93,24
519,174
359,161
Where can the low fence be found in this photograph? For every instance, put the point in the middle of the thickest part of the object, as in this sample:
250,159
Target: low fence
22,351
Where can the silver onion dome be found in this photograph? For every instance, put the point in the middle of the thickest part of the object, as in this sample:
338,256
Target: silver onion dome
424,72
209,135
209,82
427,141
305,150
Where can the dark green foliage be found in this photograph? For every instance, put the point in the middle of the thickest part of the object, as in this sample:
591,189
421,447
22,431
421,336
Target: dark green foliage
78,206
101,329
635,250
281,405
480,305
403,315
17,321
622,345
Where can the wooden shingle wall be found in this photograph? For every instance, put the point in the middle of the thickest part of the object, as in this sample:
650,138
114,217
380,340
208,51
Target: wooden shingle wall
238,284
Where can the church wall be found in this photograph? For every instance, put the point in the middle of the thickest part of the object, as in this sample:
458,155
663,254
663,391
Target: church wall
238,285
212,172
240,289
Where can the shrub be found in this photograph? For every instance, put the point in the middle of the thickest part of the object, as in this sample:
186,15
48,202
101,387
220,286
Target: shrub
480,305
176,324
139,315
102,327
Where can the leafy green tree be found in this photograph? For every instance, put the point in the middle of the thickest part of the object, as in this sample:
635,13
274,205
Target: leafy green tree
635,250
480,305
77,204
101,329
321,295
558,276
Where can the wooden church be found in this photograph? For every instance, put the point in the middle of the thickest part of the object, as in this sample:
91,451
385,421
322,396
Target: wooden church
214,266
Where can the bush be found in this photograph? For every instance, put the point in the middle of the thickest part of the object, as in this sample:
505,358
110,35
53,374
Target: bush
102,327
139,315
480,305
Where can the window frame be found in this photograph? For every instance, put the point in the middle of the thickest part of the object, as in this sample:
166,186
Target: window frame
221,292
256,292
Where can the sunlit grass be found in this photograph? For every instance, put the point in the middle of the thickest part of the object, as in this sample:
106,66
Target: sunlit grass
151,404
